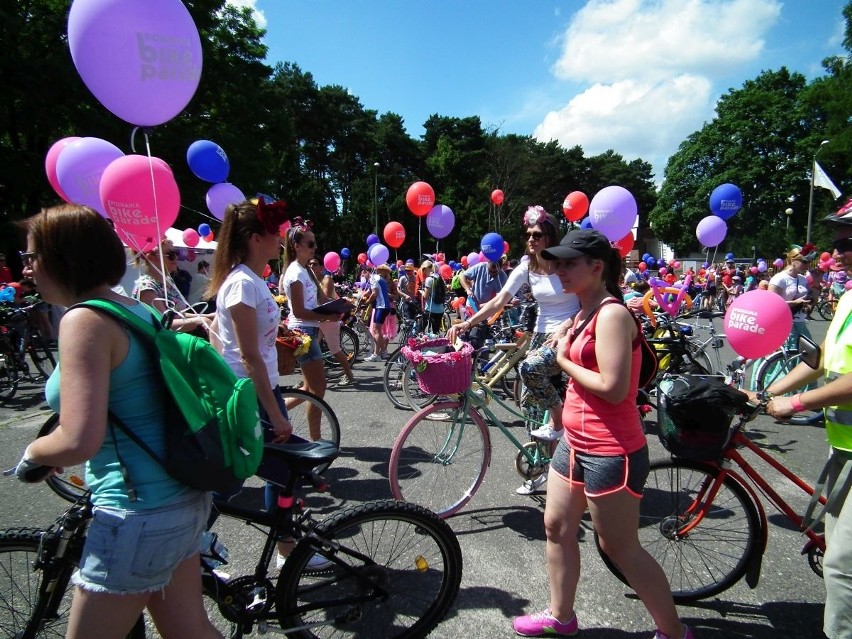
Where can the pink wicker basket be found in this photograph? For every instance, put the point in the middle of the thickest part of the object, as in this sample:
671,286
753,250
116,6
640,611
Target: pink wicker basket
440,374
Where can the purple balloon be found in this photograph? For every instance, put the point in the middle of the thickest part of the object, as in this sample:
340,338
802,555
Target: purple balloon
372,238
711,230
219,196
472,259
613,212
440,221
378,253
79,168
141,60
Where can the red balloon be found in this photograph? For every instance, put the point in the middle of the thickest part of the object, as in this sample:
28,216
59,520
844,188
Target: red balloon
394,234
825,256
641,266
505,247
267,271
497,196
575,205
625,244
420,198
446,271
463,261
362,258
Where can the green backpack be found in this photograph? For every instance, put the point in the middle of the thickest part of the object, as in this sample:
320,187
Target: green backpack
213,437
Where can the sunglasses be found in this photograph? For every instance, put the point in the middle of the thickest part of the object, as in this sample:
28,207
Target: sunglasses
534,235
169,255
27,257
841,246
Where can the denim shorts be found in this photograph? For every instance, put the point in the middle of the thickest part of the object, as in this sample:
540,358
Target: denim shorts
602,474
314,350
136,551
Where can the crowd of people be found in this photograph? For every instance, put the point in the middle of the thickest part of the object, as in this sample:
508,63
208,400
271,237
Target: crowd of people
582,368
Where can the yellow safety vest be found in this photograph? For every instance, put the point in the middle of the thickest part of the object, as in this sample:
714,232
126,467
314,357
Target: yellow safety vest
837,360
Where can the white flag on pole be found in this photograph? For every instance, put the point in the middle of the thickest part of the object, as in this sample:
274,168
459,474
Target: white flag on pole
822,180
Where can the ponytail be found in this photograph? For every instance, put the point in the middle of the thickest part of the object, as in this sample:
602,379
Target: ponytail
612,274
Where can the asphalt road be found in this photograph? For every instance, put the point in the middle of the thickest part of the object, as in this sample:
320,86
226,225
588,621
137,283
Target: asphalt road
501,533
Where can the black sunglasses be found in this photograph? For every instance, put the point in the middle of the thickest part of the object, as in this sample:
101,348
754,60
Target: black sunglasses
843,245
27,257
534,235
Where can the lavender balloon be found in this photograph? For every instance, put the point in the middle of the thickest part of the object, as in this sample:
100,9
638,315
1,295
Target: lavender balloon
440,221
79,168
378,253
711,230
613,212
141,60
219,196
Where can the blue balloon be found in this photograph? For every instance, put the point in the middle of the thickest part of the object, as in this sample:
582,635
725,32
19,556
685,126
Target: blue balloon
586,223
372,238
208,161
7,294
726,200
492,246
650,262
204,230
344,253
729,256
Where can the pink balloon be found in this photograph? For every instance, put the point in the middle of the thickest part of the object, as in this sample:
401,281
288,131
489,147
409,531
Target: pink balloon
141,209
848,285
80,166
331,261
664,270
757,323
778,263
141,60
50,164
219,196
191,238
613,212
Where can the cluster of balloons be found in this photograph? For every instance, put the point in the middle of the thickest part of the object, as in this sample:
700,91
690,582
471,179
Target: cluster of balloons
440,219
209,162
725,200
191,237
825,261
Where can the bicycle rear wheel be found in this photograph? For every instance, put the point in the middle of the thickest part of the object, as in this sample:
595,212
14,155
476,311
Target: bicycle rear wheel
41,356
440,457
414,395
709,558
312,418
8,373
397,572
395,368
826,309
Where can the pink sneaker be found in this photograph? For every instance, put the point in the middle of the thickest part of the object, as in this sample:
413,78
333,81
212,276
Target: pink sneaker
687,634
543,624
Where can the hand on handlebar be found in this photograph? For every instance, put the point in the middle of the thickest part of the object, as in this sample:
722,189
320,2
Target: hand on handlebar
30,472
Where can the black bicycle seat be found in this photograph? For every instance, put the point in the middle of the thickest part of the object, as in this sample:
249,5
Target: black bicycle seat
300,457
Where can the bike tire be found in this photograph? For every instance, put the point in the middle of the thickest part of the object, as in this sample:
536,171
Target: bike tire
41,356
439,458
411,556
350,343
826,310
773,368
299,402
714,555
700,358
414,395
9,374
395,368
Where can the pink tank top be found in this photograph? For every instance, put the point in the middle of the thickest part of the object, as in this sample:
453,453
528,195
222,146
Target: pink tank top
594,425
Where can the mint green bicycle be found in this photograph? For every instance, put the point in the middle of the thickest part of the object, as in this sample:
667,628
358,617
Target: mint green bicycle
440,457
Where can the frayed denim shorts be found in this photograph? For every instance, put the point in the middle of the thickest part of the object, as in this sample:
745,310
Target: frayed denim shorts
314,350
136,551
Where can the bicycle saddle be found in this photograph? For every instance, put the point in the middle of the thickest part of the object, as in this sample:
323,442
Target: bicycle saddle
301,457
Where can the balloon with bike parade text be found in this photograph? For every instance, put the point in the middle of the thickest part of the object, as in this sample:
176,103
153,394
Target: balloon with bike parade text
725,201
440,221
209,162
613,212
394,234
141,60
491,246
420,198
757,323
625,244
575,205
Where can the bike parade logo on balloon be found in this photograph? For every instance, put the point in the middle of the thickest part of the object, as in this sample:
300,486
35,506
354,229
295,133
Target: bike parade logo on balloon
757,323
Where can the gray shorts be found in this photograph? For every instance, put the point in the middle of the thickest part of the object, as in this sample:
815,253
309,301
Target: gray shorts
130,552
602,474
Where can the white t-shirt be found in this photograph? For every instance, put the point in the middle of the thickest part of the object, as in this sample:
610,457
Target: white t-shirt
554,306
297,273
794,287
242,286
197,288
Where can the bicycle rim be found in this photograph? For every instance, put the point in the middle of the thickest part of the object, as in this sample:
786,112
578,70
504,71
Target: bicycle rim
395,368
826,310
414,395
774,368
349,343
312,418
440,457
8,376
711,557
402,574
20,586
41,356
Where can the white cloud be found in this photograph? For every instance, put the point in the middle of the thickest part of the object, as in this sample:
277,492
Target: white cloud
257,14
648,67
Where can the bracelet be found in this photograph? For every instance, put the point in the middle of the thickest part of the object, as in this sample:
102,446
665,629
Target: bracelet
796,403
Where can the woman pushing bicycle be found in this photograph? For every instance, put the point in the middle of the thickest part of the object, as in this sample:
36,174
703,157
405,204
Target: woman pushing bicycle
602,463
556,309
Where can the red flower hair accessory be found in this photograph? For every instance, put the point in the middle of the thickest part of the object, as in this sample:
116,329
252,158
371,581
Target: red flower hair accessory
272,215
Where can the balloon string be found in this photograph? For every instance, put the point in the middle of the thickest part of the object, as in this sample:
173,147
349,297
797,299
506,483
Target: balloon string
159,238
419,243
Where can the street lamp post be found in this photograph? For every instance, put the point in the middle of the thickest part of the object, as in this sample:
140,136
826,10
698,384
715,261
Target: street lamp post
376,197
811,197
789,214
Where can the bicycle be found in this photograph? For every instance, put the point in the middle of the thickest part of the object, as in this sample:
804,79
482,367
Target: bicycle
395,568
19,339
704,522
440,457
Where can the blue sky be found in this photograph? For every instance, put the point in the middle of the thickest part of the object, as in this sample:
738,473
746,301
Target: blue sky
635,76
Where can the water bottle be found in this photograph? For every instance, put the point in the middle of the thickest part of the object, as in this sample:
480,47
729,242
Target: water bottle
213,552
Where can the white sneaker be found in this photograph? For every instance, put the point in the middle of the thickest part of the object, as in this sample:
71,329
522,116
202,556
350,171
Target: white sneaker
372,358
317,562
546,433
532,486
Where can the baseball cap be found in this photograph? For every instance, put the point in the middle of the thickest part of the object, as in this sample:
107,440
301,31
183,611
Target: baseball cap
843,216
578,243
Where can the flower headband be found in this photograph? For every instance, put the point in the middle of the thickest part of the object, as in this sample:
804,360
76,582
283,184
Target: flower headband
300,224
272,215
535,215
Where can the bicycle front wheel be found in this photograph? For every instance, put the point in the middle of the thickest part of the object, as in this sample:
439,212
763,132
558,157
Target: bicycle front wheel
397,569
414,395
773,368
440,457
41,356
826,309
312,418
705,560
395,368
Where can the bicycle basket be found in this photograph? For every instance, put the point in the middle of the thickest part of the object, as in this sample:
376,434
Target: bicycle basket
694,415
440,369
